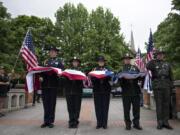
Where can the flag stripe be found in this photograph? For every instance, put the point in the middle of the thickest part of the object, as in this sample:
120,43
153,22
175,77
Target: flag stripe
28,53
30,61
27,61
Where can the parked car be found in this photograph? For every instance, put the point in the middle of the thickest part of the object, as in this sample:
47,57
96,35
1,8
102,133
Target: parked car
116,92
87,92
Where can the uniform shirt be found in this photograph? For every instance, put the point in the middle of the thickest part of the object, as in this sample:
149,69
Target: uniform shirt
101,86
161,74
130,87
4,88
51,80
4,78
73,87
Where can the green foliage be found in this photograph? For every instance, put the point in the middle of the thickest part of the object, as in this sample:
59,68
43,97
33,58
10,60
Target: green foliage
176,4
4,36
76,31
176,73
42,30
167,36
89,35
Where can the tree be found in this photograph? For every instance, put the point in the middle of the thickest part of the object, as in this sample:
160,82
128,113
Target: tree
105,37
76,31
89,35
14,32
176,4
167,36
71,24
4,36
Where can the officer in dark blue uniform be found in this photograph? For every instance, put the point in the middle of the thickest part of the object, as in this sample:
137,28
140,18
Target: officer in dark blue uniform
101,90
73,90
50,83
130,94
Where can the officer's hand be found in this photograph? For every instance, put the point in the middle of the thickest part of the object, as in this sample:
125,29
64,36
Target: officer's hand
40,79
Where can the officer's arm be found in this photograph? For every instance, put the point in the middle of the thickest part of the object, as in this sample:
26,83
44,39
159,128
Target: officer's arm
120,80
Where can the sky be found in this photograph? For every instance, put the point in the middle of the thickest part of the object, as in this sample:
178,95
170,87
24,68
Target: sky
138,15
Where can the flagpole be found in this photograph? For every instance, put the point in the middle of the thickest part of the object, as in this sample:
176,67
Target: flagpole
29,28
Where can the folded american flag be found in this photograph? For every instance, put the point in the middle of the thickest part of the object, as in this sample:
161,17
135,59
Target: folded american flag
71,74
39,69
131,75
74,74
101,74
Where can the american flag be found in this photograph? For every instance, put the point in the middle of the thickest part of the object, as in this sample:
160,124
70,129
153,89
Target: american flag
149,57
28,52
139,61
150,48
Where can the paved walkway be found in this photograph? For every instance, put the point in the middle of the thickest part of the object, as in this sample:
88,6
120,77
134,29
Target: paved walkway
28,121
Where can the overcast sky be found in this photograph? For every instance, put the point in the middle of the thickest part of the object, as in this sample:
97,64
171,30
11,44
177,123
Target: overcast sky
141,14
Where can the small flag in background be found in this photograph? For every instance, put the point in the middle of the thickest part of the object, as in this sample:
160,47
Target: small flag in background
149,57
139,61
28,52
150,48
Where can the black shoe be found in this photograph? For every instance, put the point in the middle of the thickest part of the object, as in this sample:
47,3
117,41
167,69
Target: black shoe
168,127
98,127
76,123
128,127
159,127
105,127
44,125
70,126
2,114
138,127
73,126
50,125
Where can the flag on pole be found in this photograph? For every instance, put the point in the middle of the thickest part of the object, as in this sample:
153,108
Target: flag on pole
149,57
150,48
28,52
139,61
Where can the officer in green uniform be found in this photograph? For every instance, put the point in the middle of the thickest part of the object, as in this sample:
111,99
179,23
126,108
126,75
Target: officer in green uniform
73,90
162,83
130,94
